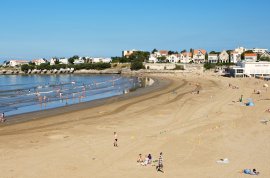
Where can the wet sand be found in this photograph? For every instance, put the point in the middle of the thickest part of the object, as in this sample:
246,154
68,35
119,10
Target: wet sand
192,130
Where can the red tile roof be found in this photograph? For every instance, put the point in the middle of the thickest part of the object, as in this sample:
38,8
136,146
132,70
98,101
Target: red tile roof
196,51
250,54
164,52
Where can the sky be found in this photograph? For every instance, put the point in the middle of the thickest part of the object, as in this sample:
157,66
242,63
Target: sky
62,28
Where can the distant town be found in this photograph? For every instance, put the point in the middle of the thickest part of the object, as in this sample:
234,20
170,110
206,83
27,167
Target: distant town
238,59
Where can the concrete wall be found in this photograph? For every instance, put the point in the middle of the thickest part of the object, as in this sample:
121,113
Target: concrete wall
160,66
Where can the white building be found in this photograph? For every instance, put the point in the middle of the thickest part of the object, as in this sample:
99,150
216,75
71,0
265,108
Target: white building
213,58
186,57
235,57
63,60
251,69
259,50
199,55
104,60
39,61
14,63
127,53
224,57
240,50
152,59
78,61
250,57
53,61
173,58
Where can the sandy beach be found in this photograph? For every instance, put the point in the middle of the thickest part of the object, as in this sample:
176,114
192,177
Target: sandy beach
192,130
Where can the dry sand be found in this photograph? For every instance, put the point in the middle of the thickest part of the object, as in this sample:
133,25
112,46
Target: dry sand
193,132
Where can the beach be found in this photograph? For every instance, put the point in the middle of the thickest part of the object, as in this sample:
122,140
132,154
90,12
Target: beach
192,130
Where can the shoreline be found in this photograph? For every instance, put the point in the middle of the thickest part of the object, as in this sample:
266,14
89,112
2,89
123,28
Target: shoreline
194,132
35,115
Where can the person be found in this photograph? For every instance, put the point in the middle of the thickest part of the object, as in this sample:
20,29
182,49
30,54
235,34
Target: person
3,117
145,162
160,163
140,160
250,172
149,159
115,140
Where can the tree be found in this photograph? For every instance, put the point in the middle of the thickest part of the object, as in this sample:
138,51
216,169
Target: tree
154,50
184,51
265,59
206,56
172,52
136,65
140,56
71,59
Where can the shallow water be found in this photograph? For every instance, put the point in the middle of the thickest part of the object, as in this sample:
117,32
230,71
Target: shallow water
26,93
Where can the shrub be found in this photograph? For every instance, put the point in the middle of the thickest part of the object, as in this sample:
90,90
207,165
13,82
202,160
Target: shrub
137,66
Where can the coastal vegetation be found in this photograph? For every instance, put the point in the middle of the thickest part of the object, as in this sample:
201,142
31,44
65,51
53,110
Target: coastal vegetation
208,66
47,66
136,65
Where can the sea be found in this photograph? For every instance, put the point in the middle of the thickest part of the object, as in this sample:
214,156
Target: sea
28,93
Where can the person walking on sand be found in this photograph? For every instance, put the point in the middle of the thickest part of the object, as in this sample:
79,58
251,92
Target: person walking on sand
160,163
115,140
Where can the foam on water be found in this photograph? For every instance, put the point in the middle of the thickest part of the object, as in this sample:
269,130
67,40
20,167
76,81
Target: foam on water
22,94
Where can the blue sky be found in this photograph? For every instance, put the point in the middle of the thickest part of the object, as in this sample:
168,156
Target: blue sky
45,28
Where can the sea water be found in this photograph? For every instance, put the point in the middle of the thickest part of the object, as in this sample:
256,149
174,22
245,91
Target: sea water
27,93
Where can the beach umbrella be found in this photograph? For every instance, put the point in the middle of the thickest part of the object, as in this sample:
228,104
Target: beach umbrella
265,85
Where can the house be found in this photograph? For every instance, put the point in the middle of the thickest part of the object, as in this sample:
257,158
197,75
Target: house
235,57
186,57
224,57
78,61
173,58
39,61
63,60
163,53
199,55
252,69
259,50
128,53
152,59
266,54
250,57
98,59
240,50
14,63
53,61
213,58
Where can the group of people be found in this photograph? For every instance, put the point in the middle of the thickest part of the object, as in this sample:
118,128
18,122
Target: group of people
2,119
145,161
232,86
251,171
148,161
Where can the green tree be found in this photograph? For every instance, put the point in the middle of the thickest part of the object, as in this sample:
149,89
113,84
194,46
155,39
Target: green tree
184,51
136,65
140,56
265,59
71,59
154,50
